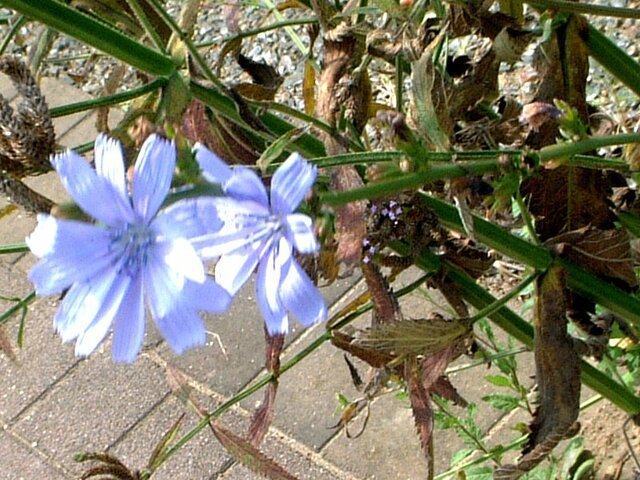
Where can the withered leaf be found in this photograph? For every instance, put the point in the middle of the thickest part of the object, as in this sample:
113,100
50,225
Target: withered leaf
350,219
345,342
385,304
421,408
263,416
557,373
249,456
604,252
421,336
5,345
158,452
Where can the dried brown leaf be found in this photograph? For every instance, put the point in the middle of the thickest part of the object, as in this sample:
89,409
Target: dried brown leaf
5,345
606,253
263,416
345,342
350,219
421,409
557,363
423,336
249,456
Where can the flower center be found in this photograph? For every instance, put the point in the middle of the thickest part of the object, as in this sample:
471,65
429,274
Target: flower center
133,243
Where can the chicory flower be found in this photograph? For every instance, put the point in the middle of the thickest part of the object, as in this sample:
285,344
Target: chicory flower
261,231
134,256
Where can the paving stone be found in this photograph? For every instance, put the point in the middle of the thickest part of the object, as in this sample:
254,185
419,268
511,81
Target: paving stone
91,408
41,361
387,449
22,463
203,455
241,332
302,464
306,401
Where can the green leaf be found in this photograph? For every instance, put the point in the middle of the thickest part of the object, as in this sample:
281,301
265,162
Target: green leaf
460,455
92,32
425,77
499,380
502,401
479,473
277,148
614,59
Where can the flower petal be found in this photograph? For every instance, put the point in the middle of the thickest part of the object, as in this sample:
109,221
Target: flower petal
187,219
110,163
214,169
82,304
207,296
291,182
300,233
229,241
244,184
91,337
301,297
152,175
73,252
182,329
128,328
268,287
163,286
180,256
233,270
94,194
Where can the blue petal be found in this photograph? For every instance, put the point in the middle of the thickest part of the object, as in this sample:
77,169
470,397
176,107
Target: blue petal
300,297
291,182
128,328
207,296
91,337
182,329
109,162
82,304
73,252
233,270
162,285
180,257
244,184
214,169
188,218
268,286
152,175
94,194
229,241
300,233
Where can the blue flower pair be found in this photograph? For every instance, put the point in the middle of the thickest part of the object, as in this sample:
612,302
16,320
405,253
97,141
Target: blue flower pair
138,256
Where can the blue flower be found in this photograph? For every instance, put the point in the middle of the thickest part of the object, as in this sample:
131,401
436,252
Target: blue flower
258,231
131,257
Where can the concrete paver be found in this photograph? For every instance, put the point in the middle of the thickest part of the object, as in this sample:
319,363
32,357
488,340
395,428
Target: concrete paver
53,405
19,462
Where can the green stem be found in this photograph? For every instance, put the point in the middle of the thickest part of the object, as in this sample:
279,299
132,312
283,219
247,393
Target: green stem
15,248
108,100
586,8
149,29
568,149
490,309
17,307
272,26
191,48
410,181
95,33
20,21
